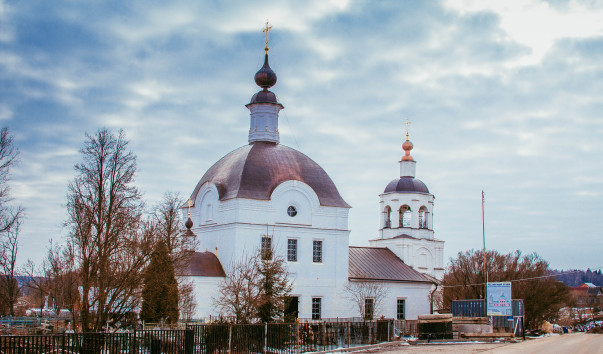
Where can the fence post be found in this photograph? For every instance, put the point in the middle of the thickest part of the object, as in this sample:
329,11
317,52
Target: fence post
349,334
188,341
229,338
265,337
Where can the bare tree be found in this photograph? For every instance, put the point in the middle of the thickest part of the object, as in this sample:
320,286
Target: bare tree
186,299
104,220
9,157
255,289
239,295
56,278
10,222
8,262
168,227
543,296
367,296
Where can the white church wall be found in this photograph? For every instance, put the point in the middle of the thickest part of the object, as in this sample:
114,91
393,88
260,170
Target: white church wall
424,255
235,231
416,296
204,288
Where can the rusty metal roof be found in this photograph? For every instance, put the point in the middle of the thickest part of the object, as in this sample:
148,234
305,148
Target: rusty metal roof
202,264
406,185
254,171
380,263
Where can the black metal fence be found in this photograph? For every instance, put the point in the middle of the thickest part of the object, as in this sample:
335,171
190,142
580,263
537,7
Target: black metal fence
169,341
209,338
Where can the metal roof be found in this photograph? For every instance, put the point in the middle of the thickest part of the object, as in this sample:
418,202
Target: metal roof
254,171
406,185
203,264
380,263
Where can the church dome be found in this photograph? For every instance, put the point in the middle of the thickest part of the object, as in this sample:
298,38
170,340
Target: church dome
254,171
406,185
201,264
265,77
264,96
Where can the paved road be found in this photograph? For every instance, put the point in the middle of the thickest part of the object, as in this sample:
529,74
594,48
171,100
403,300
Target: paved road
578,343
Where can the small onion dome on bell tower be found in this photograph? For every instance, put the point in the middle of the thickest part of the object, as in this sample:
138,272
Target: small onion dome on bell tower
407,146
189,223
407,163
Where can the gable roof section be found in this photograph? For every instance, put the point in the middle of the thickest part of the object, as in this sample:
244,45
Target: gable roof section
380,263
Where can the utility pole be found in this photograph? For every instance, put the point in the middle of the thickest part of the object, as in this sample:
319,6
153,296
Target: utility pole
484,253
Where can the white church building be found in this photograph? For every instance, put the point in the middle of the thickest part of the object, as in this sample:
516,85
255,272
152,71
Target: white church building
265,193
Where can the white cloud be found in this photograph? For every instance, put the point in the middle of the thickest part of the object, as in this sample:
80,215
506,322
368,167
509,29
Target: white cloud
5,112
176,78
537,24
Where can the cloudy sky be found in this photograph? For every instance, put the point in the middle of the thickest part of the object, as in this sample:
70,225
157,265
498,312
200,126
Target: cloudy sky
503,96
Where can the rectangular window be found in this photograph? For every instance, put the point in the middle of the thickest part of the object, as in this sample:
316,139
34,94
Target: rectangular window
401,308
317,251
369,309
292,250
316,304
266,248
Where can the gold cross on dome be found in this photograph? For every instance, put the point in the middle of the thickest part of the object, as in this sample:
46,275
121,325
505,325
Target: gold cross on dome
267,30
407,123
190,203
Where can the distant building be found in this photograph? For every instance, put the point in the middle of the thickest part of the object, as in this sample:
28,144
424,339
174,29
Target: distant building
587,294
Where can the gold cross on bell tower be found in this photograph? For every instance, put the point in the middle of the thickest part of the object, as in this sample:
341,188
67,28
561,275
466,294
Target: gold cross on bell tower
266,30
407,123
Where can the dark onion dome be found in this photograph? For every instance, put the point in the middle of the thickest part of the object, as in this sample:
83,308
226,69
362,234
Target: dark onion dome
254,171
201,264
265,77
406,185
189,224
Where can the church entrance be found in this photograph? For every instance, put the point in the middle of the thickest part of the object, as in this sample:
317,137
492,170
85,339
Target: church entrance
291,309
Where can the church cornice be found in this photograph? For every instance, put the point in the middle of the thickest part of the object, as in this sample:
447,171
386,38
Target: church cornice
296,226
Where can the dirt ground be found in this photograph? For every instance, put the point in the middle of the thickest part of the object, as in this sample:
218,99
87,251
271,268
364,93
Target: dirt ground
437,348
578,343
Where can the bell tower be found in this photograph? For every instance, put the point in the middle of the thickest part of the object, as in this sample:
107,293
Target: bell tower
406,225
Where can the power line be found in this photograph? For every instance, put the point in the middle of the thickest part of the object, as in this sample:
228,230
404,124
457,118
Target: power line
516,280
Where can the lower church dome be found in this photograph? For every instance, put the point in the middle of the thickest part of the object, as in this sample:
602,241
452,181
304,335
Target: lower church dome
254,171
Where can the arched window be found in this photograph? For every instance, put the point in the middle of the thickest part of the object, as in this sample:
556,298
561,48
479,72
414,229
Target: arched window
405,216
387,214
423,218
